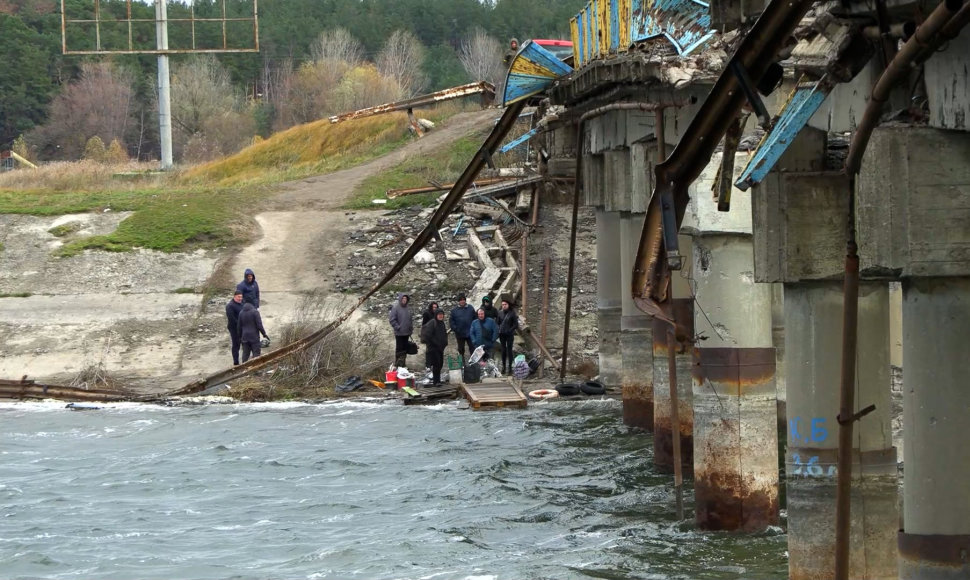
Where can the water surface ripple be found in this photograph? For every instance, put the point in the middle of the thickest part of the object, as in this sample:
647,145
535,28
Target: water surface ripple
348,490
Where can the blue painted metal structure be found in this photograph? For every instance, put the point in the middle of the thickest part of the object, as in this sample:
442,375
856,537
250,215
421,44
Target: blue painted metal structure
685,23
802,104
532,71
518,141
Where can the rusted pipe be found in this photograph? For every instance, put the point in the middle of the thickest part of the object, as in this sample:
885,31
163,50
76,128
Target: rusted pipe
545,306
850,321
923,42
524,302
903,30
572,252
675,420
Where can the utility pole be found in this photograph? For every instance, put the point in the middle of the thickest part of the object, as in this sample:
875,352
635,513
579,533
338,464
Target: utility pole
164,95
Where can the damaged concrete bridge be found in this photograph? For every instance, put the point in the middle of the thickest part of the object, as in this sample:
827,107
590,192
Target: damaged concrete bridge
762,174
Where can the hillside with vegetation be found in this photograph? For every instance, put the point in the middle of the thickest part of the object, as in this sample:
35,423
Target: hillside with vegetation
317,58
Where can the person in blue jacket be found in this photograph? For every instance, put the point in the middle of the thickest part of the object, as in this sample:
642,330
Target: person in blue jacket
249,288
460,320
484,333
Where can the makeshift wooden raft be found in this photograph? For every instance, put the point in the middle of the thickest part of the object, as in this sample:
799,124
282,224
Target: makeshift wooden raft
432,395
494,393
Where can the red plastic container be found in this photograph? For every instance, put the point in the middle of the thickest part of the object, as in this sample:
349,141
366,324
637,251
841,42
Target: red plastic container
390,376
401,383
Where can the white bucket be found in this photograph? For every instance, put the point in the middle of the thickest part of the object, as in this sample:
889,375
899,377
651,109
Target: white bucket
454,377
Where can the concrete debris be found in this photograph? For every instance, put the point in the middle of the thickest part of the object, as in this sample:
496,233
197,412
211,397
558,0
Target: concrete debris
424,257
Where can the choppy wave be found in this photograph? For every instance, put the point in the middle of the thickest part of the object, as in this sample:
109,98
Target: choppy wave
347,489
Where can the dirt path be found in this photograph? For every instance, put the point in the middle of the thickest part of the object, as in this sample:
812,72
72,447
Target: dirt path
132,311
303,229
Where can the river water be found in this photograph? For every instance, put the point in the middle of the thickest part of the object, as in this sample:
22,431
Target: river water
348,490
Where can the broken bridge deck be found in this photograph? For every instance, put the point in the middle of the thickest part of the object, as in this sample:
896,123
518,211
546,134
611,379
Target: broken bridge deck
494,393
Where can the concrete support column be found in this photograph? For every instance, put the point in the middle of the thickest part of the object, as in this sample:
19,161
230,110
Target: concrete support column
935,542
813,327
663,431
608,290
636,335
735,407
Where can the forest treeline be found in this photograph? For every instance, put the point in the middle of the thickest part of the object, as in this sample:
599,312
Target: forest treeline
316,58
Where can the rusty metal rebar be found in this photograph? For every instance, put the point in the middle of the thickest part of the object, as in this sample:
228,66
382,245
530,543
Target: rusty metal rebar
675,419
921,44
545,308
850,320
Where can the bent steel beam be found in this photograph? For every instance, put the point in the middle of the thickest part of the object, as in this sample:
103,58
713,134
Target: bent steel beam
487,90
756,53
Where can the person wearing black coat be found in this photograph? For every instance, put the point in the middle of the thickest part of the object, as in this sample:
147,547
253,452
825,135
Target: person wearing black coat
250,327
427,315
233,309
508,323
490,311
461,320
435,337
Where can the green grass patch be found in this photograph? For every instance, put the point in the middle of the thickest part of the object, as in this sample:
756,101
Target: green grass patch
442,165
177,220
15,294
210,205
64,229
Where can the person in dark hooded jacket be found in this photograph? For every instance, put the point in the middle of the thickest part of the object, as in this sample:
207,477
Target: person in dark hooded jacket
425,317
435,337
233,309
250,327
490,311
249,288
403,325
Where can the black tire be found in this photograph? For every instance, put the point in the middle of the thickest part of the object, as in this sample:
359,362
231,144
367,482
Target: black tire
593,388
568,389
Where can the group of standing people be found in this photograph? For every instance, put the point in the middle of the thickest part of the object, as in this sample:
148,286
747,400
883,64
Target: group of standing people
472,328
243,320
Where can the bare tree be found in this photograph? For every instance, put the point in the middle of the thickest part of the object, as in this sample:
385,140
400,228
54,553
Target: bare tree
401,59
337,44
207,109
99,103
481,55
201,88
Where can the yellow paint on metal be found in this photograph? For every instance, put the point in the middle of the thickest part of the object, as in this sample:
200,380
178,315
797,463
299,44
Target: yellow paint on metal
603,13
524,66
626,21
574,35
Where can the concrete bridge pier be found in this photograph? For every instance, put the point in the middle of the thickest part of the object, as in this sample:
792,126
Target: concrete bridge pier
608,290
935,543
813,317
735,407
805,249
912,198
636,334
